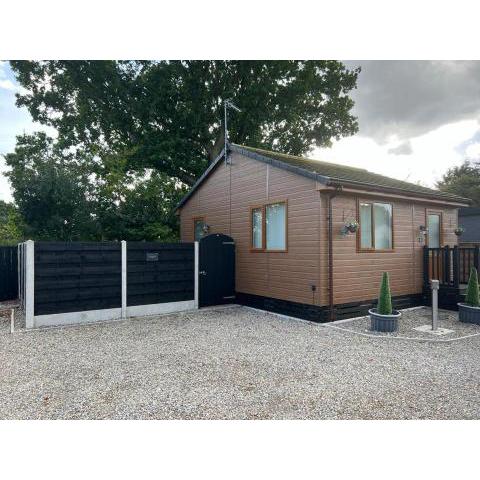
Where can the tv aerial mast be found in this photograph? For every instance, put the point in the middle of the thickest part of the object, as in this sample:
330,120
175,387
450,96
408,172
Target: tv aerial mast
226,105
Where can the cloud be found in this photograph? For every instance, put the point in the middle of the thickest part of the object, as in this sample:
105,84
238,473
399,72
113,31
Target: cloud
473,151
404,148
8,85
432,153
398,100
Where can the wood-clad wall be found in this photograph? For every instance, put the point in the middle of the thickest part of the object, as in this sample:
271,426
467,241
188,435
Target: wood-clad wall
357,274
286,275
290,275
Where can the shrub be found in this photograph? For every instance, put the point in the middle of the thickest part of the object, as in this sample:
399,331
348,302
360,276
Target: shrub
472,297
385,298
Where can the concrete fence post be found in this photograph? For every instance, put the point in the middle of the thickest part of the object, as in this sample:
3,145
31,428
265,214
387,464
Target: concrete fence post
29,283
435,287
197,258
124,279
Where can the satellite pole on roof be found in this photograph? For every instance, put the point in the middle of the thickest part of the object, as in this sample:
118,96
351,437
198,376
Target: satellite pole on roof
226,104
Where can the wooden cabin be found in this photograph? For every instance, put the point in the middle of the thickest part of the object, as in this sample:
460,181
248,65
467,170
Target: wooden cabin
293,221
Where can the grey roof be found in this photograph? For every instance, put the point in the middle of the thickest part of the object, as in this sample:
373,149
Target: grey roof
331,174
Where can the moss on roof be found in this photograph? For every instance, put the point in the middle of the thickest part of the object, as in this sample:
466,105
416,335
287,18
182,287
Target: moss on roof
336,172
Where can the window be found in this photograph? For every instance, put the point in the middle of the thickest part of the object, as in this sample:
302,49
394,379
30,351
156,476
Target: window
434,228
376,226
276,226
257,228
269,227
198,228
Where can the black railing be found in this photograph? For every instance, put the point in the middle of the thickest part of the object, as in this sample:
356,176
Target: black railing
450,265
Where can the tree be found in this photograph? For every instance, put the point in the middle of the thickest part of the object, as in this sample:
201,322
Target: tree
67,194
50,189
10,224
464,181
138,206
167,115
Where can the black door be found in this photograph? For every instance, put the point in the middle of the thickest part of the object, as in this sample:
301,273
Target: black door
216,270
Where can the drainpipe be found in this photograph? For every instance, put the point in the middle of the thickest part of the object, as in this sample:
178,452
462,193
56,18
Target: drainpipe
331,195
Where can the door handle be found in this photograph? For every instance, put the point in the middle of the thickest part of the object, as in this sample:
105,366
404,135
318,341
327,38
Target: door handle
202,272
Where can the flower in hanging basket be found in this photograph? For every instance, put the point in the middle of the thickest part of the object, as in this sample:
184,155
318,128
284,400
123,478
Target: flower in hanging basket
352,226
459,231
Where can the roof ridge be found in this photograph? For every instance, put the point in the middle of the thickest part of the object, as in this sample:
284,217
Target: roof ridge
327,164
297,157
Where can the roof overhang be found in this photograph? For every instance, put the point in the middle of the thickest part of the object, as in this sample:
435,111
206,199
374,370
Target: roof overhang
390,193
324,182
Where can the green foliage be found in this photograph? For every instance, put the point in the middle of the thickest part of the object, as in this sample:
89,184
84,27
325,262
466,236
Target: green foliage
10,224
472,297
464,181
50,190
167,115
133,135
64,194
385,297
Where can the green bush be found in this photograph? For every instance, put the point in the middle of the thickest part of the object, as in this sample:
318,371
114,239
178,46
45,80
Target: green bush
385,298
472,297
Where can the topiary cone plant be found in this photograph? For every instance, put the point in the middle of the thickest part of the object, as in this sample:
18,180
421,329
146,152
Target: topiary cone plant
384,318
469,312
385,298
472,297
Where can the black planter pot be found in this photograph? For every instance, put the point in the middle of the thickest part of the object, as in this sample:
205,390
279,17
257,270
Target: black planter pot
468,314
384,323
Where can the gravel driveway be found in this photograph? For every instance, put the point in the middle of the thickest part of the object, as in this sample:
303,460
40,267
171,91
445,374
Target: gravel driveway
232,363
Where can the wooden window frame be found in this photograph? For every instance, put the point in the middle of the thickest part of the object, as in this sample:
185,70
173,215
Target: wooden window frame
359,236
429,211
194,220
263,208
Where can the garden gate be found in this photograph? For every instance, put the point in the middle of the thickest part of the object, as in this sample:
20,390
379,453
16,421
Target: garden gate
216,272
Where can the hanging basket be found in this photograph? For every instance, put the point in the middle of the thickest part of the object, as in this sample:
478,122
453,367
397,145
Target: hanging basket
350,227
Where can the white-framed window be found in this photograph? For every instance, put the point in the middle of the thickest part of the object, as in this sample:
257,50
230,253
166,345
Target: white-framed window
376,226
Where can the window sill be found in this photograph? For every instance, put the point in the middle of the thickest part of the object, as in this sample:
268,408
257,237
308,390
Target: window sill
259,250
373,250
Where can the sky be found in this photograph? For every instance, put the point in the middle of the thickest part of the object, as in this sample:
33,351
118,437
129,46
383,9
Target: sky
416,119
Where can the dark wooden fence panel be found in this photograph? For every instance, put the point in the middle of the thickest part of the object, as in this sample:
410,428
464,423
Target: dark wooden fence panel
8,273
159,272
77,276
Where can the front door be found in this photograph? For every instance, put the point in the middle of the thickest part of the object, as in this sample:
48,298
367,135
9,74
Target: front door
216,270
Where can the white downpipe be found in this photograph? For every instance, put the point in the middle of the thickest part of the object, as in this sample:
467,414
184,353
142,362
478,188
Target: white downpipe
124,279
197,259
29,283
